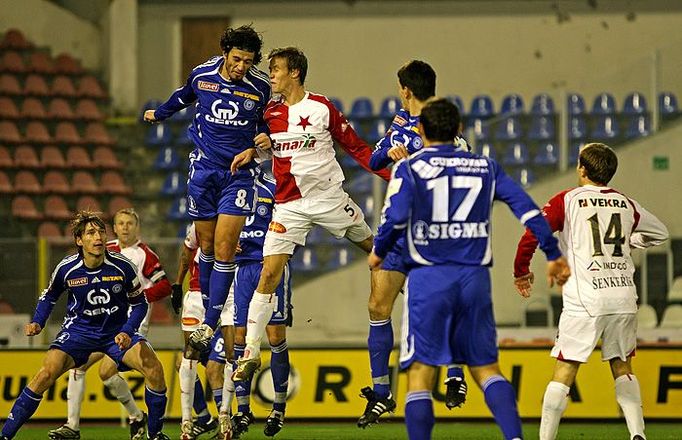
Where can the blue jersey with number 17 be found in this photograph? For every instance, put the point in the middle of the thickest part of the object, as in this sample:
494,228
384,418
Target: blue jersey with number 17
441,198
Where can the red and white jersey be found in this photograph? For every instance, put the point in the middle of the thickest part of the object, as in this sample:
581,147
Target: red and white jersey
192,243
597,228
151,273
303,136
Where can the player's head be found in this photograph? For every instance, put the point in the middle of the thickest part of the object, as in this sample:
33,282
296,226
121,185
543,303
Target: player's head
439,121
241,49
287,65
416,79
127,226
89,233
597,163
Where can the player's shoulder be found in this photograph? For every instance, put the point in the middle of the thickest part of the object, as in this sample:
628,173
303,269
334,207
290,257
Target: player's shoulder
318,98
401,118
119,261
69,262
147,250
113,245
258,78
209,65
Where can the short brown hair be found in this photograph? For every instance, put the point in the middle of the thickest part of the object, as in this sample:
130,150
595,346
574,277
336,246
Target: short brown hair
81,221
600,162
128,211
296,60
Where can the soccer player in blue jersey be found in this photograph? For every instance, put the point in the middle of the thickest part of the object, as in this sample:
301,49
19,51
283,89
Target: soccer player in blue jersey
101,287
231,95
416,84
250,263
441,199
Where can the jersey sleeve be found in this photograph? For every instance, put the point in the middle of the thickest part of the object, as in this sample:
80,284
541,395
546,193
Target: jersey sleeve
554,214
49,297
649,230
396,210
136,298
181,98
153,271
379,158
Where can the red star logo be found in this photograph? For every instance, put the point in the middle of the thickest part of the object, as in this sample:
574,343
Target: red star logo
304,122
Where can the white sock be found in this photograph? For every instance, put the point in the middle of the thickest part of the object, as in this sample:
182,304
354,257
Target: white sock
119,388
553,406
74,395
260,311
188,377
630,401
228,389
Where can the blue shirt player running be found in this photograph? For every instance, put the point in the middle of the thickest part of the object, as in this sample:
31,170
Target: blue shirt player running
101,287
441,199
231,95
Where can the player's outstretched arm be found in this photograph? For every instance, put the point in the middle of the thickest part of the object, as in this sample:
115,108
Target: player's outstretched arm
242,159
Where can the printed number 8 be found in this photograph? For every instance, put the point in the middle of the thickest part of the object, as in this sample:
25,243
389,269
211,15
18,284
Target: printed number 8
241,198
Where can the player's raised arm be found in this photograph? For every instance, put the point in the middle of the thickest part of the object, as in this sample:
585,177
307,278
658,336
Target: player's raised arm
47,300
389,150
182,97
649,230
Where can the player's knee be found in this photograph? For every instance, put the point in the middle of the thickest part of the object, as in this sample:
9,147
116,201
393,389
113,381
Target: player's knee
240,335
214,372
191,353
276,339
379,309
152,370
43,380
270,277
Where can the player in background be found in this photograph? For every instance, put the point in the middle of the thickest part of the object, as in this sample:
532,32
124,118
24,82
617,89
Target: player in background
249,265
416,84
303,126
441,199
156,287
231,95
597,228
105,307
193,312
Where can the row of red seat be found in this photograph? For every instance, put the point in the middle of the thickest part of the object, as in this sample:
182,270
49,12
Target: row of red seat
57,109
40,61
55,181
36,132
37,85
26,156
56,207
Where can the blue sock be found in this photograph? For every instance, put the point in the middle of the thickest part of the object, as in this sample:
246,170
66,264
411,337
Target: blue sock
221,280
156,406
242,389
279,367
455,370
380,344
218,397
22,410
419,416
199,405
500,398
205,269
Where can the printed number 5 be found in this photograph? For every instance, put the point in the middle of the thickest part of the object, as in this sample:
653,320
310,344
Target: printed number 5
349,209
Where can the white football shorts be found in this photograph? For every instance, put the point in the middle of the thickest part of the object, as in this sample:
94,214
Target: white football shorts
193,311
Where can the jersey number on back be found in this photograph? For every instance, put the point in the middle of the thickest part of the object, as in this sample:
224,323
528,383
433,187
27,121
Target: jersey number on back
441,196
614,236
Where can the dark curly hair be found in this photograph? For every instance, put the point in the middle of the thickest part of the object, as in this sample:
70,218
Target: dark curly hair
81,221
243,38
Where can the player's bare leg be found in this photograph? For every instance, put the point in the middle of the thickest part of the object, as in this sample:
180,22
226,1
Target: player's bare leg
137,420
260,310
555,399
628,396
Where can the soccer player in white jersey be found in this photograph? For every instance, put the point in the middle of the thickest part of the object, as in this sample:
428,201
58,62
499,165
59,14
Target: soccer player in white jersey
303,127
156,287
597,227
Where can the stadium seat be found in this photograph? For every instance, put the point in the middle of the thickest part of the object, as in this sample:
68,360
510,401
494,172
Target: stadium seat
672,317
55,181
113,183
509,129
174,185
667,104
27,182
63,86
524,177
67,65
637,126
117,203
66,134
480,128
547,155
338,104
574,152
56,208
23,207
104,157
542,128
347,162
605,128
36,133
487,150
635,104
512,105
576,104
8,110
543,105
40,62
152,104
317,235
577,127
6,160
357,128
52,157
646,317
12,62
83,182
89,87
182,140
35,85
341,257
158,135
60,109
160,314
178,211
361,108
167,159
5,184
88,203
49,230
458,102
675,291
389,107
14,39
361,184
481,107
184,115
32,108
96,133
9,133
9,85
515,154
26,157
304,260
537,312
379,129
78,157
604,104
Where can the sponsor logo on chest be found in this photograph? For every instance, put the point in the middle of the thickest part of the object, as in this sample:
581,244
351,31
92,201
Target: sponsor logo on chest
77,282
209,86
305,142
